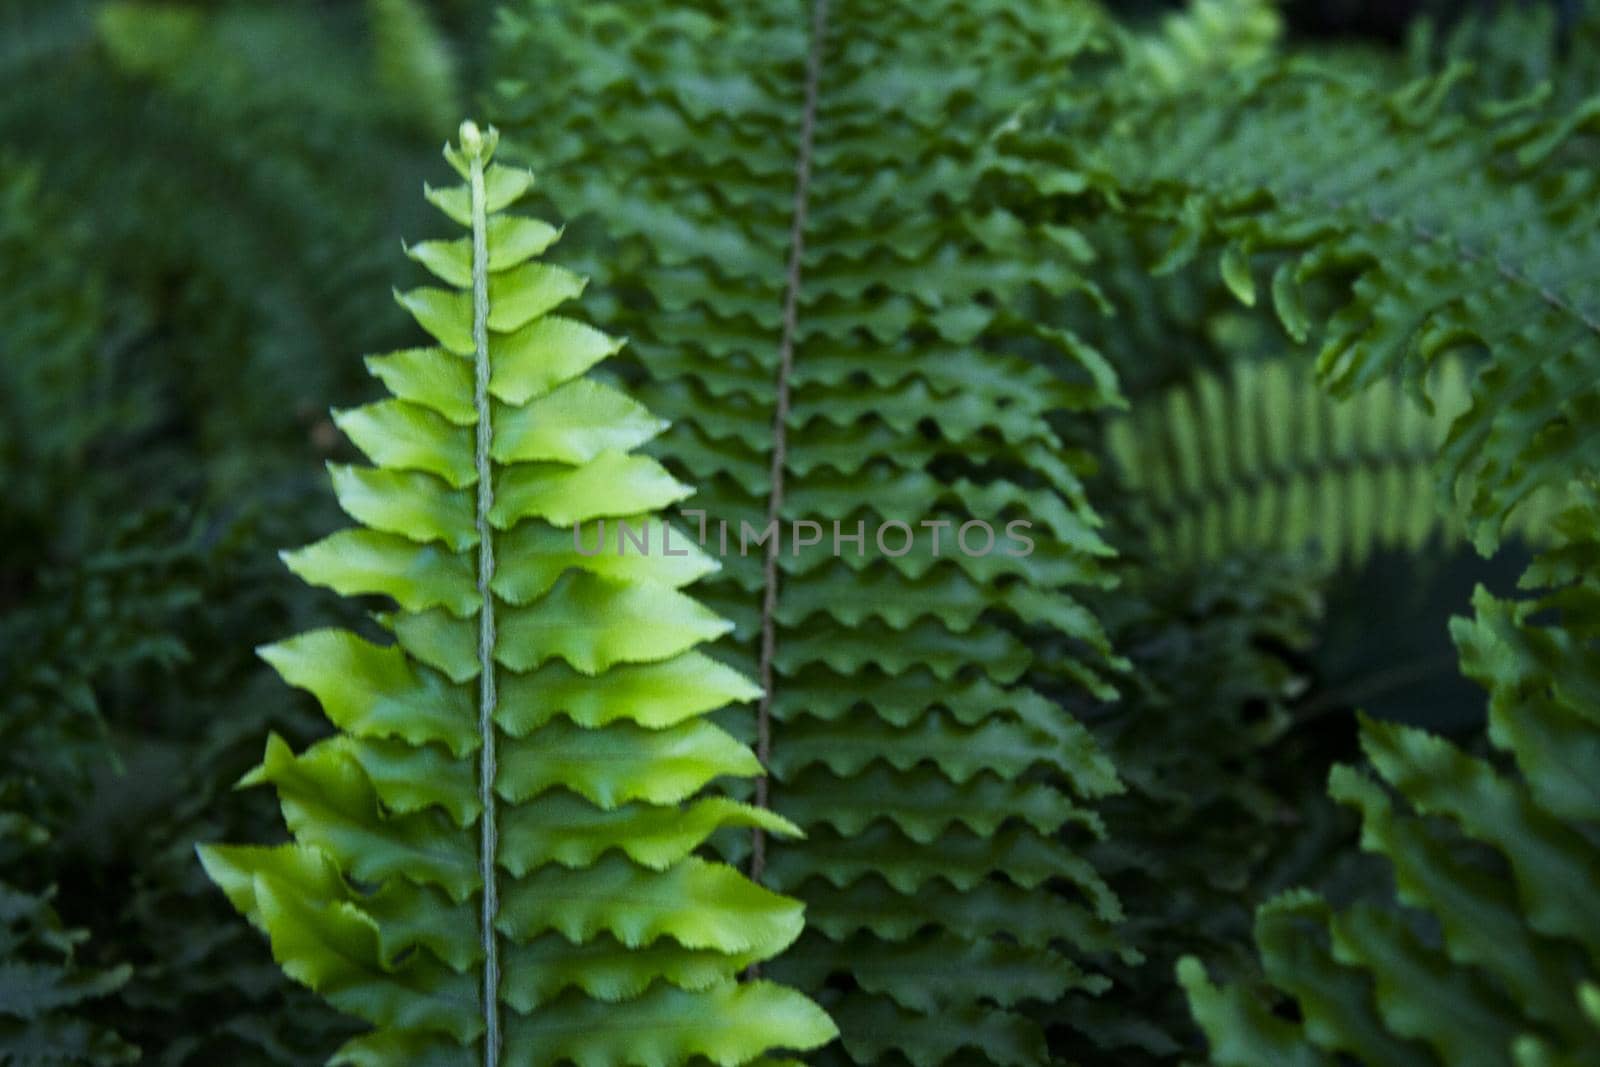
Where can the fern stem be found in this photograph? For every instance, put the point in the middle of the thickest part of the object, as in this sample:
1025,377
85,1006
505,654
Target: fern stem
780,420
487,697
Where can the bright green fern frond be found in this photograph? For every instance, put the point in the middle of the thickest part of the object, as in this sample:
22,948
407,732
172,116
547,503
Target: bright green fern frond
1399,231
1263,459
825,299
1492,962
492,860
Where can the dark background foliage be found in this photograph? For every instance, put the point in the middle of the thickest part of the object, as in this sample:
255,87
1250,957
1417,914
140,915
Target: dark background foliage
1380,20
200,210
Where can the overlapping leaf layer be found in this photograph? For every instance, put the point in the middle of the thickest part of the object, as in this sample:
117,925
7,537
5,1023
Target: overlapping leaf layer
1396,228
513,800
1494,960
940,791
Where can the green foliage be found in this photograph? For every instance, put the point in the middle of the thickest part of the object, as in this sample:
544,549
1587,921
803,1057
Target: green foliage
1401,231
40,984
1515,50
193,196
248,136
1491,958
196,198
1218,812
125,860
493,859
1263,458
1409,231
54,403
894,370
108,614
416,66
58,629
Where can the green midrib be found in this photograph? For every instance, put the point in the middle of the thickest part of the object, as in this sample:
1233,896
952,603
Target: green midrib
486,622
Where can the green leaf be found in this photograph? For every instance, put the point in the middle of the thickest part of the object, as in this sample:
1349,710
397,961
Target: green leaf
402,436
372,691
620,763
418,577
726,1025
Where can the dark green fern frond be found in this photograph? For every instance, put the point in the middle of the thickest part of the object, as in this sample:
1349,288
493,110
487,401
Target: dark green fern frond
841,325
1491,961
41,986
1264,459
58,402
84,593
493,860
1219,812
1398,232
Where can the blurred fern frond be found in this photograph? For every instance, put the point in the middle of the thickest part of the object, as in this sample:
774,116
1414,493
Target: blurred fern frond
1398,231
41,984
1490,959
263,158
1218,811
1208,39
1262,458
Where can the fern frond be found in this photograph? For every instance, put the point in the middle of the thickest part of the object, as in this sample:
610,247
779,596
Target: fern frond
1219,808
41,986
1493,959
858,347
1399,231
60,630
1263,459
81,597
52,315
1207,39
1516,51
482,870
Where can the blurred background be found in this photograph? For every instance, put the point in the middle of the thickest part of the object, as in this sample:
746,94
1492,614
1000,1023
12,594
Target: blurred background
201,209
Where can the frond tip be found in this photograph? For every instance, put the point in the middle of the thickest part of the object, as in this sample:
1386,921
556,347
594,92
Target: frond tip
493,859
